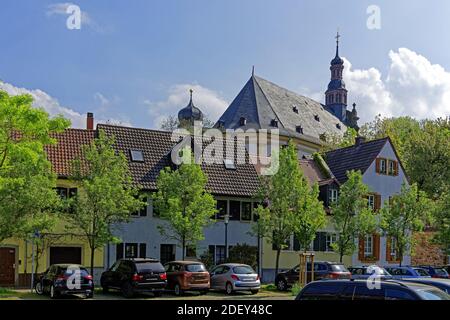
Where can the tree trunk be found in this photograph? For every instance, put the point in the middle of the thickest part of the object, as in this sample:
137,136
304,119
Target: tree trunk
92,260
183,247
277,261
341,255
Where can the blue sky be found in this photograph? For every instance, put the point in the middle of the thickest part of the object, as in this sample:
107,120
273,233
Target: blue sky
133,61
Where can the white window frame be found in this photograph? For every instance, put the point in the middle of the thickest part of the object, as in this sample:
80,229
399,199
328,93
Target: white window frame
330,239
391,168
371,201
393,250
368,246
383,166
334,194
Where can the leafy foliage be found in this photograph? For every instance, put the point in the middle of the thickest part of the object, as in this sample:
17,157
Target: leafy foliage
28,201
407,212
291,205
183,201
351,215
243,253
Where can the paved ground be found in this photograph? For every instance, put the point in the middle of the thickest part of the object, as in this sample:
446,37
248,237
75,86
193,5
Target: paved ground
262,295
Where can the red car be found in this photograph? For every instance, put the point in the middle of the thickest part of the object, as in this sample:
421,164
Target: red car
187,276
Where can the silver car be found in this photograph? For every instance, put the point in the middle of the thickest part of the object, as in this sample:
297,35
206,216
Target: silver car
234,277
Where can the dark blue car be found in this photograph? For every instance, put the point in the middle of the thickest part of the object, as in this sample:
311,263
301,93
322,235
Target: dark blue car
436,272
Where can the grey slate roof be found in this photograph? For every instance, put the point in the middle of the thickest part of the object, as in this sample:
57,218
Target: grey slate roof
156,147
260,101
356,157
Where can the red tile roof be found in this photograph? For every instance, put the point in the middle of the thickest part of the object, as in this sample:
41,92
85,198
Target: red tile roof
67,149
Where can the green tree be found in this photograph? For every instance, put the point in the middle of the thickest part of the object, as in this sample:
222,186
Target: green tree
335,141
405,213
183,201
28,201
292,206
107,194
351,215
442,222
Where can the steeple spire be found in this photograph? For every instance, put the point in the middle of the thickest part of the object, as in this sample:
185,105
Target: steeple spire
190,91
337,43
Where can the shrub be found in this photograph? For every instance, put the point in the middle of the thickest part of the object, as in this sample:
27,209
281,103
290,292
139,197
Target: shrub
296,288
243,253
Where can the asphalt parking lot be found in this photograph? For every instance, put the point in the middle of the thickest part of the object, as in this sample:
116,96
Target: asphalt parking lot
262,295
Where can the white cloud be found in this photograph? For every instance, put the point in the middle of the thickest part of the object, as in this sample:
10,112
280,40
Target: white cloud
413,86
52,106
86,19
208,101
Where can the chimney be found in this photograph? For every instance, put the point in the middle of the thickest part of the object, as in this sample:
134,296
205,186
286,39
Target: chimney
359,140
90,121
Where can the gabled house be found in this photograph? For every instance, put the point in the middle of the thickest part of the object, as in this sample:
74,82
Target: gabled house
383,172
234,185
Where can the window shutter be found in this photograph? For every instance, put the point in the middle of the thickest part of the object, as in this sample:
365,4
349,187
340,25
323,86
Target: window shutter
143,211
377,202
316,243
323,241
376,246
377,165
119,251
361,249
142,250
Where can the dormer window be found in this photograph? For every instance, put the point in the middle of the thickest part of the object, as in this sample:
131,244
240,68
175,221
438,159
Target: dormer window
229,164
274,123
338,125
295,109
317,118
136,155
221,124
242,121
299,129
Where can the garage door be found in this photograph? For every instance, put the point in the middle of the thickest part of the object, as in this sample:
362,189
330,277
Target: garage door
7,263
65,255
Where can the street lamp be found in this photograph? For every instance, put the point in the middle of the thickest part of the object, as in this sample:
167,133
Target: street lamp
226,220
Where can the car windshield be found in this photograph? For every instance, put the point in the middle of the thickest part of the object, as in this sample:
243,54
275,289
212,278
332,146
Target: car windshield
339,268
195,268
441,272
422,272
433,294
243,270
147,266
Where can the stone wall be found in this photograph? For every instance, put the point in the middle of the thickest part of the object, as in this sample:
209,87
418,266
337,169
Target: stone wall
425,252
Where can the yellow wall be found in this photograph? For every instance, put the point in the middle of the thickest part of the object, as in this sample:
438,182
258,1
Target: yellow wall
68,238
289,258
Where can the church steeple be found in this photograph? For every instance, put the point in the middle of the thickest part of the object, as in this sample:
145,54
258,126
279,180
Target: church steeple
336,94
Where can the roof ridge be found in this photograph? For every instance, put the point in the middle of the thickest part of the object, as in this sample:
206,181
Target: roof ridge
133,128
268,101
354,145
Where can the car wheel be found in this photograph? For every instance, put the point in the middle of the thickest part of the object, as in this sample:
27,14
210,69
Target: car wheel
38,288
53,293
254,291
177,289
229,288
281,285
127,290
90,295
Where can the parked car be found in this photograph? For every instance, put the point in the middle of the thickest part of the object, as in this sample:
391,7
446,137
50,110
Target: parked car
60,280
233,277
187,276
358,290
322,270
436,272
364,272
443,284
133,276
407,272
